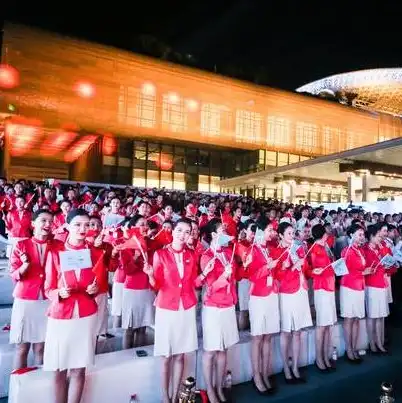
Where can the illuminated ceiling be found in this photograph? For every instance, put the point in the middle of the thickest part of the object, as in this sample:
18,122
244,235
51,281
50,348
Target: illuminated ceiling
377,89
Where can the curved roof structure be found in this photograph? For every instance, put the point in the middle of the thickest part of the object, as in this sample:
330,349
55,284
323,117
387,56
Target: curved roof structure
377,89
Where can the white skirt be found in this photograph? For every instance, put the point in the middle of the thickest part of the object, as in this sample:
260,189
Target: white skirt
264,315
175,332
219,328
138,309
377,302
244,294
117,298
28,321
352,303
103,313
295,311
389,291
325,308
70,343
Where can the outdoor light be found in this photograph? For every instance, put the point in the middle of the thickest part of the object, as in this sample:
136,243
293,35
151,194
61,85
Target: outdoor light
85,89
9,77
192,105
173,98
148,89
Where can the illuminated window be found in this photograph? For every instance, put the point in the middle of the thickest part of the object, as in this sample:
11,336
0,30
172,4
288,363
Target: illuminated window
210,120
139,178
293,159
270,158
278,131
166,180
248,126
152,179
215,188
351,140
203,183
282,159
306,137
331,137
179,182
137,107
174,115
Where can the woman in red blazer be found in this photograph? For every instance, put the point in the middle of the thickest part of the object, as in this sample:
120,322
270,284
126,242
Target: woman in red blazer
27,268
219,272
321,258
264,310
351,293
138,311
376,289
293,298
174,276
72,316
59,223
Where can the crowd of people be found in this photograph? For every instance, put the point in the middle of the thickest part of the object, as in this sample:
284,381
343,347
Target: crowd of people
174,259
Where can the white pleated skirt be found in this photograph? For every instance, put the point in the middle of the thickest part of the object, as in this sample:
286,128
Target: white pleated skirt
325,308
377,305
175,331
295,311
117,299
352,303
138,309
103,313
264,315
244,294
219,328
70,343
28,321
389,291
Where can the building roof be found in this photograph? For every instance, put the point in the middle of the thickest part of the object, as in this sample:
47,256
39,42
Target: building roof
377,89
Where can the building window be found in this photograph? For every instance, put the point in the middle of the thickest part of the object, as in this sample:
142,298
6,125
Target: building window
152,179
293,159
283,159
278,132
306,137
139,178
270,158
174,115
331,136
166,180
248,126
210,120
179,181
137,107
203,183
215,188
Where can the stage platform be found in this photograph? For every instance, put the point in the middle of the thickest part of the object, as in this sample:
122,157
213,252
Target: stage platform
118,375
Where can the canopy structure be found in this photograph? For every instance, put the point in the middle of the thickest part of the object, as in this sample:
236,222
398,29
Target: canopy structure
377,89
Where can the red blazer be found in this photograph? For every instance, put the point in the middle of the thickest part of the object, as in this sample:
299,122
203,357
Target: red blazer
30,285
261,277
320,259
385,249
290,280
171,288
373,258
221,292
135,278
19,227
64,308
356,264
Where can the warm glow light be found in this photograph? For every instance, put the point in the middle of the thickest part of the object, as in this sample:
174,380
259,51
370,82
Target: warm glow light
165,163
191,105
173,98
57,142
9,77
79,148
148,89
85,89
109,145
22,137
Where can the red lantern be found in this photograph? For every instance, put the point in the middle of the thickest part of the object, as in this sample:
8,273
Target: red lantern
9,77
165,163
109,145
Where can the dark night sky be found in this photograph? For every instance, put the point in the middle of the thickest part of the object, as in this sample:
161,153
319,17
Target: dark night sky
295,41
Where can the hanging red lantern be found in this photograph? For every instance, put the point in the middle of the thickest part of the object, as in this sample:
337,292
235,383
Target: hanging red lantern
165,162
109,145
9,77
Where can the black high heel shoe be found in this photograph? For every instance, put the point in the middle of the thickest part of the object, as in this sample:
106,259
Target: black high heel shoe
260,392
300,379
322,370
